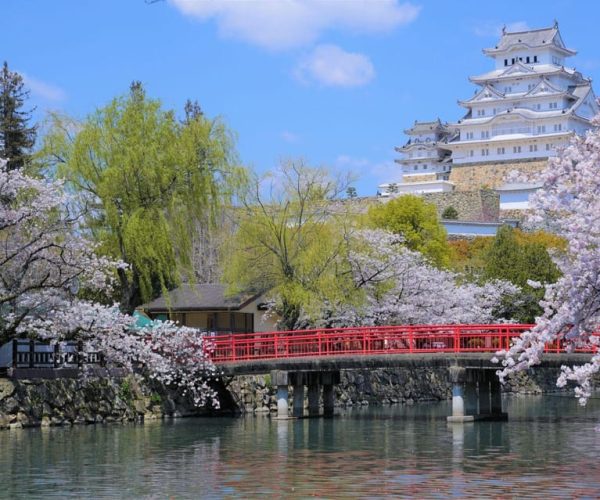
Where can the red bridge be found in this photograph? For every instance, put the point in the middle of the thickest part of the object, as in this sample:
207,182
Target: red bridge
314,359
368,341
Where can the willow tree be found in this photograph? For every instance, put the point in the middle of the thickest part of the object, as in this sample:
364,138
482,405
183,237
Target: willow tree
146,179
291,242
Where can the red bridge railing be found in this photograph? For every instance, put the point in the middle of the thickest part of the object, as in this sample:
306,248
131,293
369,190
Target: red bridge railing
366,340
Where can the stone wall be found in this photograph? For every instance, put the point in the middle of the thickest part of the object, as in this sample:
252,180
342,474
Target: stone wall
482,205
255,393
490,174
409,179
67,401
53,402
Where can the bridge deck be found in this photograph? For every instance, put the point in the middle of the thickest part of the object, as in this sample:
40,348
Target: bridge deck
372,347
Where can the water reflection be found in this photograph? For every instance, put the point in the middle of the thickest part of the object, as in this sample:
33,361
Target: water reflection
547,447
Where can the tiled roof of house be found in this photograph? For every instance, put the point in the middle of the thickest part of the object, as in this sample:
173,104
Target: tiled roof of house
199,297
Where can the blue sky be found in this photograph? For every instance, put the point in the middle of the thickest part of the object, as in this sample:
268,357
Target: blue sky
332,81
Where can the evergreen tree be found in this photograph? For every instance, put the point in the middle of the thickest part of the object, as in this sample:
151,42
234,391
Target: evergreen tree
417,221
16,136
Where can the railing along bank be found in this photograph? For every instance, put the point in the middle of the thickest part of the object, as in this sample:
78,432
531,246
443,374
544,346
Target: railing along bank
367,340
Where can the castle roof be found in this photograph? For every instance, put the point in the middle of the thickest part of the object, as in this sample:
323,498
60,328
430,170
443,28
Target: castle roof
425,127
544,37
518,70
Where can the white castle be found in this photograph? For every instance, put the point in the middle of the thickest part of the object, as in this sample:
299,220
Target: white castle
525,108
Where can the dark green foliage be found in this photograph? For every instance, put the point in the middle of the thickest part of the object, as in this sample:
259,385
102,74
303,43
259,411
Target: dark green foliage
16,136
519,260
450,213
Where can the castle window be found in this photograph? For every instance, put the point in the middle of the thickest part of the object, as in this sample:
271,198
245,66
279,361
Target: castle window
481,112
527,60
557,127
516,149
553,105
541,129
500,151
471,153
548,147
485,134
415,167
505,62
538,106
485,152
532,148
535,59
513,60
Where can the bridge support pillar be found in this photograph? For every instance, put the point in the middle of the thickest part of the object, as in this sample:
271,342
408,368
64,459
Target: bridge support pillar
279,378
298,406
313,394
485,407
471,407
476,395
328,400
496,396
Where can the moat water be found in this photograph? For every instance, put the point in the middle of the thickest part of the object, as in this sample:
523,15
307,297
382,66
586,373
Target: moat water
549,447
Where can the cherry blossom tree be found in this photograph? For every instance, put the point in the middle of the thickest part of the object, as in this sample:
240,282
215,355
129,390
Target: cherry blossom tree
399,286
568,203
45,261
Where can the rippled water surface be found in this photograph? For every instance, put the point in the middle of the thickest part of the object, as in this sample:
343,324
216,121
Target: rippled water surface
548,447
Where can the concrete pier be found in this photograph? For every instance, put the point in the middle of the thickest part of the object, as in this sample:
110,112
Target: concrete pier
475,395
298,405
315,382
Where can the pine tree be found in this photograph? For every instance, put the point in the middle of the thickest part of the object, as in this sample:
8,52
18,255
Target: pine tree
16,136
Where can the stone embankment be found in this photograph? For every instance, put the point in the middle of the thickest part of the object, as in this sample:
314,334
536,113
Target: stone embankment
67,401
255,393
53,402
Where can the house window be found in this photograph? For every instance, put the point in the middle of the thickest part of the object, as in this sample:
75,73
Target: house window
516,149
500,151
532,148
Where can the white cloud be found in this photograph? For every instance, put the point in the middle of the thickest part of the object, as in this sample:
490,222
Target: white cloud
284,24
289,137
43,89
331,66
489,29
